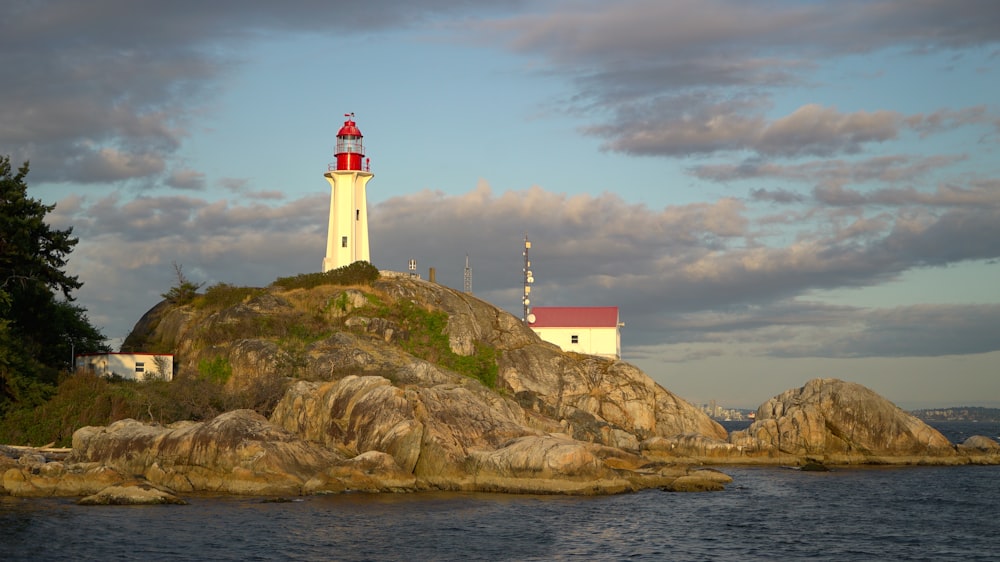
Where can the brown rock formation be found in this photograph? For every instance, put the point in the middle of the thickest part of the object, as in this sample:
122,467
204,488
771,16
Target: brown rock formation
841,422
132,493
589,398
367,402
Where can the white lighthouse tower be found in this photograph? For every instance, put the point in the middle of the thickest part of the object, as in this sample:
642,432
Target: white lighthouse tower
347,237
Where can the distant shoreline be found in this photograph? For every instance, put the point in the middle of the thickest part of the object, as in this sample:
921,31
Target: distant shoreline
956,413
960,413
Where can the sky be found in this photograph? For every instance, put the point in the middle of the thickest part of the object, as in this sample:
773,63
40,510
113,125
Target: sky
771,191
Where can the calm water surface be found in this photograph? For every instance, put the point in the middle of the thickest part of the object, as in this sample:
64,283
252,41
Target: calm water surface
912,513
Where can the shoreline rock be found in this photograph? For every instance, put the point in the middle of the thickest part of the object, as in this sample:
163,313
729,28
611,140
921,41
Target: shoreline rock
133,493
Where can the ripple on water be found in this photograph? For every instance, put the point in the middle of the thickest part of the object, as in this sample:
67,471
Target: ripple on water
919,513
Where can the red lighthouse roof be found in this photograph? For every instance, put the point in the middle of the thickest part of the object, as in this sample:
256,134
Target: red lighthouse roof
349,128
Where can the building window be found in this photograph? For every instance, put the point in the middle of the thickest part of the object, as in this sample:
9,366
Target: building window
574,339
357,214
140,367
343,241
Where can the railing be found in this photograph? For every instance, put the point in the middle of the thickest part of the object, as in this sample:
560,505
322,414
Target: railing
365,167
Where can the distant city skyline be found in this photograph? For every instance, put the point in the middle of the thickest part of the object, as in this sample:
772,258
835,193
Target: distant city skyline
770,191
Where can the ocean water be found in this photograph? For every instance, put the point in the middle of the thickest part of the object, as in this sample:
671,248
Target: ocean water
903,513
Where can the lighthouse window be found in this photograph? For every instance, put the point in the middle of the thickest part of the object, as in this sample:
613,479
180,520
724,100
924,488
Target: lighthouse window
343,242
349,143
357,214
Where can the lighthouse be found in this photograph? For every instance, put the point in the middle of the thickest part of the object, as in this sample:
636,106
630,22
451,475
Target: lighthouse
347,236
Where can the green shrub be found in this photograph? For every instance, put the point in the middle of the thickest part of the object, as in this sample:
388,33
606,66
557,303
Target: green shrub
481,365
80,400
357,273
426,338
87,399
341,302
217,370
184,291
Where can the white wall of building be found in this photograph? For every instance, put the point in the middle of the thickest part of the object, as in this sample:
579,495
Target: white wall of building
604,342
129,366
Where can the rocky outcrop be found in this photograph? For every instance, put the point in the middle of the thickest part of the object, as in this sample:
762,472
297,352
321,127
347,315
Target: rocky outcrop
980,449
981,443
592,398
589,398
840,422
132,493
57,478
456,435
358,409
595,399
240,452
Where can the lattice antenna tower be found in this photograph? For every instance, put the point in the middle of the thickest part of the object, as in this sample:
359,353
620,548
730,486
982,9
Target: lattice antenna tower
468,276
528,280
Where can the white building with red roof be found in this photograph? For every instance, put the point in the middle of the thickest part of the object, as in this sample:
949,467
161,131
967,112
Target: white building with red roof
594,330
129,366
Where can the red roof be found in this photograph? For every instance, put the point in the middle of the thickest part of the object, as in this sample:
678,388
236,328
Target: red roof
575,317
350,128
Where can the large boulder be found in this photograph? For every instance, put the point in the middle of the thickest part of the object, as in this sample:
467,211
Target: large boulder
841,422
981,443
237,452
592,398
980,449
59,479
598,399
132,493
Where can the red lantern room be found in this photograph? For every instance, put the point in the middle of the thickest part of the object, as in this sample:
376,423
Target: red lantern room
349,148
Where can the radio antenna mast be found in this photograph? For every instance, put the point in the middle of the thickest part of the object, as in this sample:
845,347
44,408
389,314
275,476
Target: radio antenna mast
528,280
468,276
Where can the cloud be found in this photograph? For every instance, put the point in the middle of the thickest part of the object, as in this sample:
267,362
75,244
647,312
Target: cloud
105,94
686,77
692,273
186,179
946,119
911,331
942,196
804,329
643,29
831,172
242,186
817,130
102,92
811,130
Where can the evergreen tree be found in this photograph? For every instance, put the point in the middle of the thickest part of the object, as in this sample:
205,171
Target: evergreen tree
40,328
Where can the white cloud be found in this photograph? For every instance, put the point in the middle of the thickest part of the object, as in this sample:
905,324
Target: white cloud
186,179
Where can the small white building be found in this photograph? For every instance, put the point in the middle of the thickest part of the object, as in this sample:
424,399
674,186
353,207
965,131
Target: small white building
593,330
129,366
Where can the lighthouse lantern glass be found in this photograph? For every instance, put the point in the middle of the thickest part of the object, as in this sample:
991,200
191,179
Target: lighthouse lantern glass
349,143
